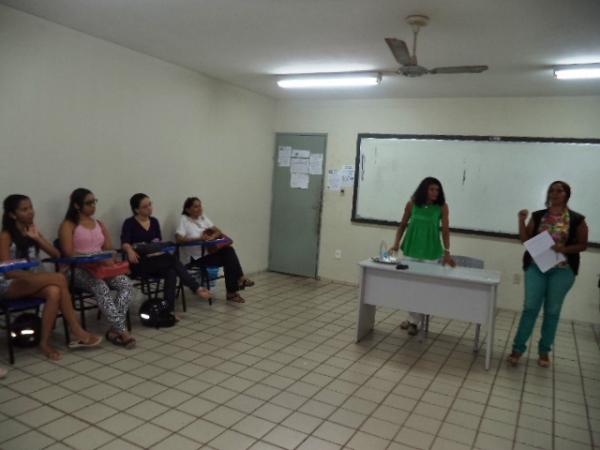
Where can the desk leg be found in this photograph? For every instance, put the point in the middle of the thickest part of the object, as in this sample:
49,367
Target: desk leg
366,321
491,327
366,313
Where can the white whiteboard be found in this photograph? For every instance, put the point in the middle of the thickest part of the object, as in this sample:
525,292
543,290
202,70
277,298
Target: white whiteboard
486,180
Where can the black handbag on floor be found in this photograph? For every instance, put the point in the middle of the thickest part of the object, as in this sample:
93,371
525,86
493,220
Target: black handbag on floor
156,313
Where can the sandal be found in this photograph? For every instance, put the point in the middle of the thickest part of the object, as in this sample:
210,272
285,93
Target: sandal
544,360
117,339
92,341
236,298
245,282
514,357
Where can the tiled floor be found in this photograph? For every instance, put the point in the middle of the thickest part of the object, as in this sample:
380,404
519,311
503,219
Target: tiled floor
283,371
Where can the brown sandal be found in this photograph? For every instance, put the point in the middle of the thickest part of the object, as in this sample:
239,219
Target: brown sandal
514,357
236,298
544,360
245,282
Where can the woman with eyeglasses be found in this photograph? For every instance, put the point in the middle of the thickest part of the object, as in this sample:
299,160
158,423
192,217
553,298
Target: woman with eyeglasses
80,233
142,228
21,239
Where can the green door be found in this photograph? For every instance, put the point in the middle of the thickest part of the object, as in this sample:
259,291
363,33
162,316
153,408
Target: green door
296,207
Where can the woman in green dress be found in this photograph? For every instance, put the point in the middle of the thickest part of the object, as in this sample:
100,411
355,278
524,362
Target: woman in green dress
425,215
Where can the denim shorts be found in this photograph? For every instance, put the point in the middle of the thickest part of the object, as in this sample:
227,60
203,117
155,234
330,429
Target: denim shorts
4,284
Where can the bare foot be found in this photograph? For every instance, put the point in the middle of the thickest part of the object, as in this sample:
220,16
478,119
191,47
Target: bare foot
50,353
3,372
204,293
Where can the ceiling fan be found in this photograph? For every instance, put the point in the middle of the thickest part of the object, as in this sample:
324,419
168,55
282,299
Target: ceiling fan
408,63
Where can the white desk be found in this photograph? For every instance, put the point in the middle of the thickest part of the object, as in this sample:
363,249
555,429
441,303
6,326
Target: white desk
460,293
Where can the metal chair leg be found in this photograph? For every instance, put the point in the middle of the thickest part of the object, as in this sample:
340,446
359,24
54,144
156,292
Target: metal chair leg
476,343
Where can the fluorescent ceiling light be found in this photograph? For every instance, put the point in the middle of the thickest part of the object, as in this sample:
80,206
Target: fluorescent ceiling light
331,80
577,72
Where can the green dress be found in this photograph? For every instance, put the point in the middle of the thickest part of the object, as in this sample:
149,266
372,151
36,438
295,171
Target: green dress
422,240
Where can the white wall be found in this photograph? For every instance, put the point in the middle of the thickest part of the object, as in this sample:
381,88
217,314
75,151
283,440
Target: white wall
78,111
342,120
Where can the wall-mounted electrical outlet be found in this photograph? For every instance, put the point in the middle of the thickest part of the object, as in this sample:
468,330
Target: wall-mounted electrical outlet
516,278
338,254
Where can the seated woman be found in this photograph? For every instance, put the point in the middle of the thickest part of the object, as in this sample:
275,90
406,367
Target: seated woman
142,228
80,233
20,238
194,227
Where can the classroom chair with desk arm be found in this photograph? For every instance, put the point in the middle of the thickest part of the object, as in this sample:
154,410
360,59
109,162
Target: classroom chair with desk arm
9,306
202,272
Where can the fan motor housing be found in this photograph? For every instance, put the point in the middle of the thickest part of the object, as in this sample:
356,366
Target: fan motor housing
412,71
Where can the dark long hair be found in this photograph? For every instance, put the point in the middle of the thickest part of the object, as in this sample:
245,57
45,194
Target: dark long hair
135,200
76,199
420,195
564,185
22,243
188,204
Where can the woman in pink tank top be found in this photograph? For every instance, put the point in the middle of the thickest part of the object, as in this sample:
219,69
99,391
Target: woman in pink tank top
79,234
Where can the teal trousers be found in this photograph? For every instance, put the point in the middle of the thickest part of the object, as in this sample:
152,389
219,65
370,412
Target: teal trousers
548,290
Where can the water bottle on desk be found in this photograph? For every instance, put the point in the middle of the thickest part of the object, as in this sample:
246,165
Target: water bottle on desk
383,252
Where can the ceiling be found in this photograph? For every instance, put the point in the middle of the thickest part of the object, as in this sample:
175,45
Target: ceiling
248,42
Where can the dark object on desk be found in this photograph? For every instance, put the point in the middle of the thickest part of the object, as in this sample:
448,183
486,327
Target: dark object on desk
401,266
145,249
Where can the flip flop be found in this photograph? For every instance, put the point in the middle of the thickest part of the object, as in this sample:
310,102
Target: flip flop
117,339
93,341
246,282
236,298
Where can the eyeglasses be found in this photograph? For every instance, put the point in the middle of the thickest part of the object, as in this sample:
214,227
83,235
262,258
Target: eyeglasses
90,202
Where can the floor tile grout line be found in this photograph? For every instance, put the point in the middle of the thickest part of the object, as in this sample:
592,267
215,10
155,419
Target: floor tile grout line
341,322
489,393
282,390
587,408
473,362
406,374
487,402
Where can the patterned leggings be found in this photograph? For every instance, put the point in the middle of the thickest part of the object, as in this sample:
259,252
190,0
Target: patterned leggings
115,309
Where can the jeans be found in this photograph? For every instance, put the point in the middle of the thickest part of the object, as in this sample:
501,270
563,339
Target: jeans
548,289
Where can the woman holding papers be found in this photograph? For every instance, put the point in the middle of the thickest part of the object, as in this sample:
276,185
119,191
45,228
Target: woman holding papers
137,235
548,288
194,226
425,215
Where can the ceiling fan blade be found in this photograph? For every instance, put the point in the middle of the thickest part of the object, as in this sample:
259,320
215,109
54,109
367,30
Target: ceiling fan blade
399,50
459,69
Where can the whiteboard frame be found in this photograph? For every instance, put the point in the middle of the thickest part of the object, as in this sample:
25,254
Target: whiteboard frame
452,137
